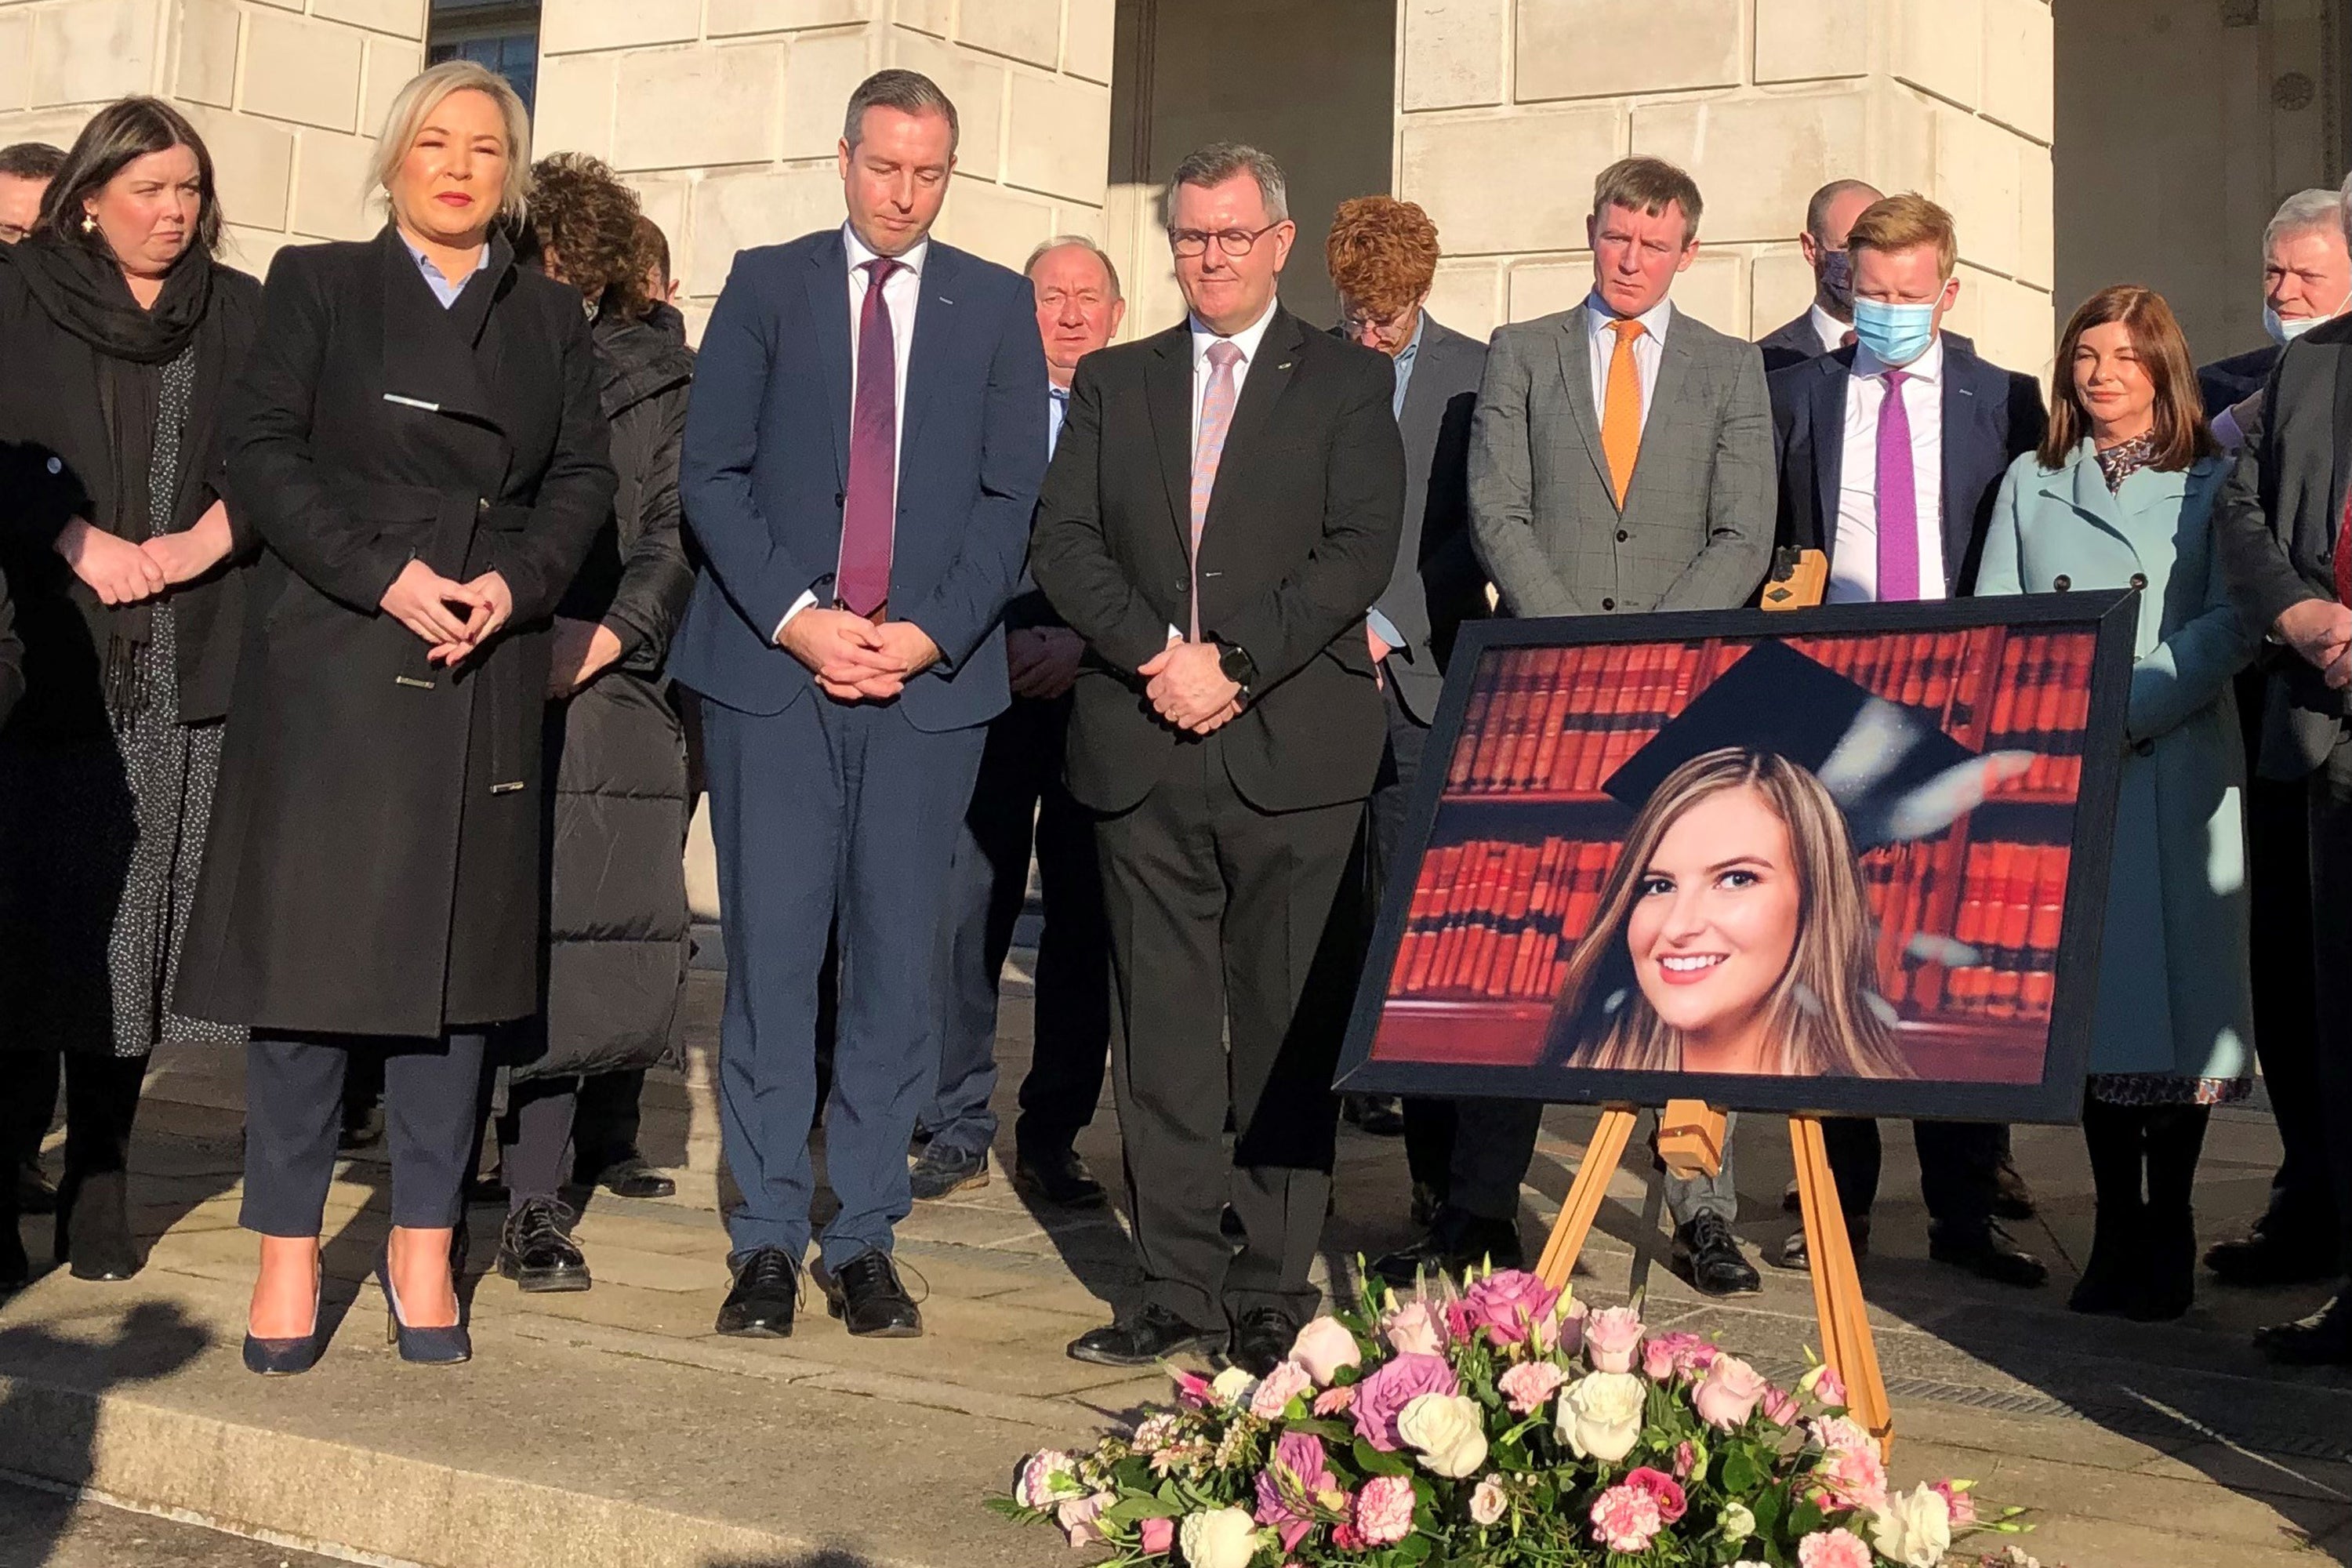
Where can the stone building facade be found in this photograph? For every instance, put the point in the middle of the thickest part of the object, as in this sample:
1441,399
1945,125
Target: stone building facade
2078,141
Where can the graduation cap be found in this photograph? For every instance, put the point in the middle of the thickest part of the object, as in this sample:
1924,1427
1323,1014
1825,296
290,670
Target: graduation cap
1892,770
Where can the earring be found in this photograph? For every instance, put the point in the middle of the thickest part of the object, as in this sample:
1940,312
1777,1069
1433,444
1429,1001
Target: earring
90,223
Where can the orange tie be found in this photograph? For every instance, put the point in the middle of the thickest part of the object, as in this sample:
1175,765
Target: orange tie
1621,413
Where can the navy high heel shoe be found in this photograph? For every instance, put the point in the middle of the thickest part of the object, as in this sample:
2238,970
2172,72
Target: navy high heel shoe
422,1347
285,1358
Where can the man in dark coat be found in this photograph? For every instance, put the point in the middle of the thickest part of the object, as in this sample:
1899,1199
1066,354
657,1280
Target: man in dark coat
1828,322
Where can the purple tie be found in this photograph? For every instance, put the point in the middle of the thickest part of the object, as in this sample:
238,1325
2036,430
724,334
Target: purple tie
1898,498
862,583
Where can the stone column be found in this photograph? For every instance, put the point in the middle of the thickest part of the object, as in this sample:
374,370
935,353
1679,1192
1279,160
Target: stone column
725,113
287,94
1507,109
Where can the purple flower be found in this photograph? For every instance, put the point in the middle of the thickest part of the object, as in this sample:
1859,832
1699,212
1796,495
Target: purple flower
1381,1397
1508,1304
1287,1486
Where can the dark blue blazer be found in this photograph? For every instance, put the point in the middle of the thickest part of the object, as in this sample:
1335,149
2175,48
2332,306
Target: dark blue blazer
766,465
2226,383
1990,414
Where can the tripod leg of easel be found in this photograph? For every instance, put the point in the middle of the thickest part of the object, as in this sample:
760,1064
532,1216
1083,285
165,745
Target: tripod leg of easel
1584,1196
1846,1342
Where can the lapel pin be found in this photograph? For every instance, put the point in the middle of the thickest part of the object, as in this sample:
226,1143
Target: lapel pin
1284,365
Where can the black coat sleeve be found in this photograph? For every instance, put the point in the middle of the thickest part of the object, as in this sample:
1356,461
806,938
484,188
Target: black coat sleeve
1070,555
2253,543
575,491
658,577
12,656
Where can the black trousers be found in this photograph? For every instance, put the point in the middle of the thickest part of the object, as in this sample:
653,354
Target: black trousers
28,1098
1228,922
1958,1164
535,1133
2286,1028
604,1131
1428,1123
294,1096
2330,820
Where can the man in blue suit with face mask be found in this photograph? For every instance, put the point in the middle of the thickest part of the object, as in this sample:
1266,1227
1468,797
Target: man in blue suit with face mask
1891,450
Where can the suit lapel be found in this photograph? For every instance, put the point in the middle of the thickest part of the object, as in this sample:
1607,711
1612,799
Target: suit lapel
1576,371
428,349
2088,492
827,281
1168,398
1828,393
935,323
1262,388
1962,435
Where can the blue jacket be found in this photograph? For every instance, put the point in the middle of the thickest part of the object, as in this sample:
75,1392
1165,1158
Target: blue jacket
1990,414
766,466
2174,994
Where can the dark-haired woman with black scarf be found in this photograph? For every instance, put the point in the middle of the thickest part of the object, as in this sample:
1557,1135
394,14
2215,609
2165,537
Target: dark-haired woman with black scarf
119,329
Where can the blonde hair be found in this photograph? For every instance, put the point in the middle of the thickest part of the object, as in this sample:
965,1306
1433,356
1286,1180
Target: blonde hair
1823,1016
425,92
1899,222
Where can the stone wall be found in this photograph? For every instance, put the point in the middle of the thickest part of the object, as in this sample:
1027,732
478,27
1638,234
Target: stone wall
726,113
1507,109
287,94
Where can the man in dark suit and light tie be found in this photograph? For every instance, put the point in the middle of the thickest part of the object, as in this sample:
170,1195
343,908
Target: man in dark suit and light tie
862,458
1827,324
1021,799
1383,255
1891,450
1220,516
1621,461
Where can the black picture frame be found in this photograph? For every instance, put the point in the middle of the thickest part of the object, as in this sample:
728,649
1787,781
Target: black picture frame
2111,615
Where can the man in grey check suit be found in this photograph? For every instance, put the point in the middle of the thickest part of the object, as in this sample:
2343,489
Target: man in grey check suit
1621,461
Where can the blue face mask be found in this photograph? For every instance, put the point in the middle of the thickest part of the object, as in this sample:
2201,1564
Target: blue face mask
1837,278
2284,332
1897,335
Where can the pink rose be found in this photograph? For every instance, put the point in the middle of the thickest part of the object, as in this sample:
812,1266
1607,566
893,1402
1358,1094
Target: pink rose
1332,1401
1325,1348
1959,1499
1081,1518
1158,1536
1530,1384
1413,1329
1488,1502
1381,1397
1611,1335
1728,1394
1287,1486
1825,1384
1278,1388
1852,1478
1662,1491
1625,1518
1508,1306
1780,1407
1676,1354
1833,1548
1384,1511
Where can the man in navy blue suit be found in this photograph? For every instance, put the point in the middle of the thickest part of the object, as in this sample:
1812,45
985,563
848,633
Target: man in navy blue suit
1891,450
863,454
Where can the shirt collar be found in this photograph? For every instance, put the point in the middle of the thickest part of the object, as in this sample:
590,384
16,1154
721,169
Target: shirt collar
860,253
425,263
1598,315
1928,367
1827,328
1246,339
1412,349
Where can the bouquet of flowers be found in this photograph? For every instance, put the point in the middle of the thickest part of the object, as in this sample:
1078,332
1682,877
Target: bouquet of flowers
1497,1425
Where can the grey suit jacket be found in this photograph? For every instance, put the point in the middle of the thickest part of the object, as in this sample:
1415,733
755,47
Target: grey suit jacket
1695,532
1437,584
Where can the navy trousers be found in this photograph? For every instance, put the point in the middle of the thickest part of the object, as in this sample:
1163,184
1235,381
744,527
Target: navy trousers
293,1114
829,815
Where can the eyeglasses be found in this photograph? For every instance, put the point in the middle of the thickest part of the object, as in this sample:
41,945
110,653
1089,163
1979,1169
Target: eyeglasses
1357,322
1191,242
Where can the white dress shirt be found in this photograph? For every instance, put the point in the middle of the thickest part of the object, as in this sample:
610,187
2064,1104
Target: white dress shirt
1649,350
1854,568
1828,327
1246,339
900,296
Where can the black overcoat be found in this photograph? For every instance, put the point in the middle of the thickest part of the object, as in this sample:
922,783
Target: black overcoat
374,866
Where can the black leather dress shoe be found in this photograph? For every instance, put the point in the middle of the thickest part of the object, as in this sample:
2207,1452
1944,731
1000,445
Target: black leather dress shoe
1990,1254
941,1169
2323,1338
1056,1176
865,1295
1456,1242
1262,1338
631,1177
536,1249
93,1229
1795,1253
2012,1198
1151,1335
2274,1255
767,1291
1707,1254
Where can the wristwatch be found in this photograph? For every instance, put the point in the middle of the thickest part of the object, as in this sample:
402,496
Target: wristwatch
1238,667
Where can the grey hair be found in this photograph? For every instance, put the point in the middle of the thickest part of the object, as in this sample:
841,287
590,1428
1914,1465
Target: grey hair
1220,162
425,92
1110,269
2307,212
909,92
1817,211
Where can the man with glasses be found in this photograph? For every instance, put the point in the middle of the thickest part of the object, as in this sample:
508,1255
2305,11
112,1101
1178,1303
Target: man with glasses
1220,516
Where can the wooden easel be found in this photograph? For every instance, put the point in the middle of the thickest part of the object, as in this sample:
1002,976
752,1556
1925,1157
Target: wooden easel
1690,1142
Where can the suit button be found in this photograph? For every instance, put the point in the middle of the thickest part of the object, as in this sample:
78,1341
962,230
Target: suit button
482,505
2139,579
2062,582
1608,604
1623,536
2145,748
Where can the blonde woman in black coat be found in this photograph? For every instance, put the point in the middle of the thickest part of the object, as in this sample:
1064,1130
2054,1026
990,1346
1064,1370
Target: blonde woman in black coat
418,442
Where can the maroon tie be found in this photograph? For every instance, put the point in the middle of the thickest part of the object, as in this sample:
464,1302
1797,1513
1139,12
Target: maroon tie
862,584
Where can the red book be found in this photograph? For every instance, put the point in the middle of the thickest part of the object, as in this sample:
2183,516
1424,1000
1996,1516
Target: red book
1916,651
1562,690
2049,902
1462,888
1997,730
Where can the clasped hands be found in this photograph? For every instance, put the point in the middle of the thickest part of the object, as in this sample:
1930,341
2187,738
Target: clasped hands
122,573
1189,688
455,618
2321,631
854,659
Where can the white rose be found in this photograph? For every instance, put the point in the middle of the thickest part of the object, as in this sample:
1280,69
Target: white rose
1601,1415
1446,1431
1738,1523
1223,1539
1489,1502
1233,1385
1914,1528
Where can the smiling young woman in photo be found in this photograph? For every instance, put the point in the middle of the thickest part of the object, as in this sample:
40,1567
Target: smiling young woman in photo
1734,935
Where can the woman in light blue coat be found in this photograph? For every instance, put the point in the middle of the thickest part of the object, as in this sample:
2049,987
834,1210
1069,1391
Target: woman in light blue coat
2121,495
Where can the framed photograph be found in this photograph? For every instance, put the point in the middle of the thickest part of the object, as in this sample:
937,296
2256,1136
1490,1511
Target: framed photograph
1851,860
